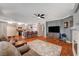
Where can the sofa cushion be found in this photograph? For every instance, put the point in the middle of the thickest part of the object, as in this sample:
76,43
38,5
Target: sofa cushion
31,53
23,48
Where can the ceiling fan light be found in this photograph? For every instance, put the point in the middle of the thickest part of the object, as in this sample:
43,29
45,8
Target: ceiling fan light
38,17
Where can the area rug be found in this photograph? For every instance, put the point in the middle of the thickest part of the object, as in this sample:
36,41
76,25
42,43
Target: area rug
44,48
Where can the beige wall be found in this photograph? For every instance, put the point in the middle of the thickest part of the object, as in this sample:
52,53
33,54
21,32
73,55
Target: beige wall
3,30
40,29
11,30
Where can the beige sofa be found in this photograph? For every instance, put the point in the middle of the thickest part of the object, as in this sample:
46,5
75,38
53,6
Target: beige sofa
7,49
26,51
31,53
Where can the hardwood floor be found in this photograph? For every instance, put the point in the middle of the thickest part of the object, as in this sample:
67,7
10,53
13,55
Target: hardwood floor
66,47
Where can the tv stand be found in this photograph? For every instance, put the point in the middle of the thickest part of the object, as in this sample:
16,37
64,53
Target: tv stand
53,35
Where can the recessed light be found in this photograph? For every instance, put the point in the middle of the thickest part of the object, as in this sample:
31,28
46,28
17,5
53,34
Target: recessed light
38,17
25,24
19,23
10,22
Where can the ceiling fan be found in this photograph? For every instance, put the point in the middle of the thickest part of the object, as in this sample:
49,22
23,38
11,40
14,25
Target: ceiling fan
40,15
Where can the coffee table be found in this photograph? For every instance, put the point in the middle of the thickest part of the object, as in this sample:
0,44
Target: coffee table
20,43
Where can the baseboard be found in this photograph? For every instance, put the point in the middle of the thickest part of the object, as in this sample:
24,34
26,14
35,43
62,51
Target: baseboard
68,41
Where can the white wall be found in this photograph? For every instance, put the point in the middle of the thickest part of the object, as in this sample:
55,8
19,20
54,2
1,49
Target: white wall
75,40
75,31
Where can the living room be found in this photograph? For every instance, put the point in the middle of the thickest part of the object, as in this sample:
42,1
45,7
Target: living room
39,31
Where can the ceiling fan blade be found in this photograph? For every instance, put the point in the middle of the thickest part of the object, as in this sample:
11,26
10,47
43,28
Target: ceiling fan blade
35,14
42,14
43,17
38,15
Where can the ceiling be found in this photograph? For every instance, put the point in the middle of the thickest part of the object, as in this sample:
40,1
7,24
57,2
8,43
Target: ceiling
24,12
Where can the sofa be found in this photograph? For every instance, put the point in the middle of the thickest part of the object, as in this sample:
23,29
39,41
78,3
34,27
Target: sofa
31,53
8,49
26,51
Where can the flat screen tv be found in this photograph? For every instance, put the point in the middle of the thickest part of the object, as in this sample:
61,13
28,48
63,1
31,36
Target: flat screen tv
54,29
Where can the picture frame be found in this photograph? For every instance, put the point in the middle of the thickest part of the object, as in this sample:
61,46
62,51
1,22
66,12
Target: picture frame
66,24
